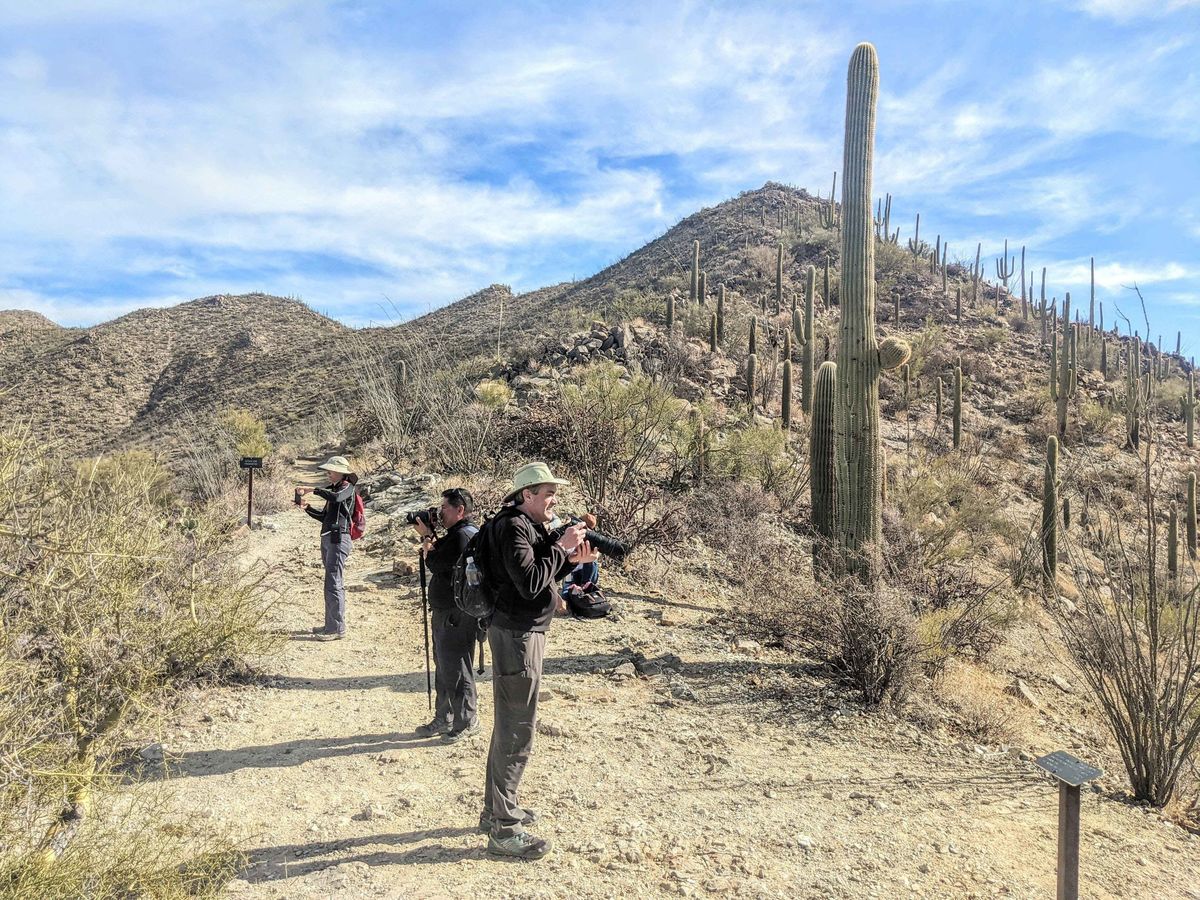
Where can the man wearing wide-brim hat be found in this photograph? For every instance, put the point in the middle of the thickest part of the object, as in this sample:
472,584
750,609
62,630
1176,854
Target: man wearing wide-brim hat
335,521
523,563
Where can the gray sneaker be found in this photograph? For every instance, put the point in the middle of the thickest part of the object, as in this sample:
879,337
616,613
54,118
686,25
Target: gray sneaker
453,737
521,845
429,729
324,636
485,820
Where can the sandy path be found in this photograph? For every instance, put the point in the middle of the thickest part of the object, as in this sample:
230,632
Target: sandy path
643,790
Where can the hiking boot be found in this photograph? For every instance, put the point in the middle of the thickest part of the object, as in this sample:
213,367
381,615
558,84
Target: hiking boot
485,820
429,729
456,735
521,846
325,636
319,629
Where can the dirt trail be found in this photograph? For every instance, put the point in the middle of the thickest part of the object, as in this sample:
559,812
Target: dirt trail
702,783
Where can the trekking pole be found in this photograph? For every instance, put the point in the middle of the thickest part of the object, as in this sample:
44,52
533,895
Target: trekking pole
480,670
425,620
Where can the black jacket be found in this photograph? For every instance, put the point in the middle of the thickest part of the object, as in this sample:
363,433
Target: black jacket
440,562
523,564
339,508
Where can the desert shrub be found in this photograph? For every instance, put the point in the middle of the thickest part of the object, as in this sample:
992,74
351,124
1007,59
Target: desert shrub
109,607
1098,422
992,337
873,637
137,466
206,461
247,432
982,710
764,456
615,425
1168,398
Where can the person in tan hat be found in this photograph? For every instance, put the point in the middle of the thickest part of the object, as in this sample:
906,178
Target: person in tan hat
335,519
523,562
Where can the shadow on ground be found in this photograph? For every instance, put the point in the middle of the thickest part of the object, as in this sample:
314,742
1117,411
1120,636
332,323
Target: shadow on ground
296,860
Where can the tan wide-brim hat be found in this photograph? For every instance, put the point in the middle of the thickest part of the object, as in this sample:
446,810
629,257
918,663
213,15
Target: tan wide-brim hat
336,464
532,474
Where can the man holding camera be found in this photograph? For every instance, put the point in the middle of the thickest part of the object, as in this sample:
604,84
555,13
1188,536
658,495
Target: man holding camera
454,632
523,563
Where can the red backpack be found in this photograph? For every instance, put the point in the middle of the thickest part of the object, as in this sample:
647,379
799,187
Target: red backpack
358,521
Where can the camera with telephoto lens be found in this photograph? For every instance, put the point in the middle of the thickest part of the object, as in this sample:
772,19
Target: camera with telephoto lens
609,546
432,517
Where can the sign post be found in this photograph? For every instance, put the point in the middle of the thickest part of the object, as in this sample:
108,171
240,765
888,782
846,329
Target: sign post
1071,774
250,463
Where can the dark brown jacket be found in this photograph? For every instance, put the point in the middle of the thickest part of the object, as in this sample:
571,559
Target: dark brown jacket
524,564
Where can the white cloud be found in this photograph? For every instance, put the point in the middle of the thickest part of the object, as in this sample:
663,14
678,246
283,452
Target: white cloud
1126,10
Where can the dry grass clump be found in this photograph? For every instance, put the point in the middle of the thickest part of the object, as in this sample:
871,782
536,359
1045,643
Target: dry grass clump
982,709
111,603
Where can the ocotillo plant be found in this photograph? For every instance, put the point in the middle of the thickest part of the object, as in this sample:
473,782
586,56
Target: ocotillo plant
860,357
1064,384
1133,394
751,377
822,462
808,351
752,347
1050,513
779,281
786,401
956,410
695,288
1190,514
721,315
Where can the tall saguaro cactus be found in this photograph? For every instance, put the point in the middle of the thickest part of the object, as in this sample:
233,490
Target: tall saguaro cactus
695,286
779,281
1063,383
860,357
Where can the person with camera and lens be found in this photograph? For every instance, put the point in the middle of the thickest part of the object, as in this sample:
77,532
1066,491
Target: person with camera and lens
454,631
522,563
335,519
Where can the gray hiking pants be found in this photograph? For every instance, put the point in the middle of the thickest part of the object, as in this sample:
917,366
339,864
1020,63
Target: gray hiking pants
516,677
454,640
333,557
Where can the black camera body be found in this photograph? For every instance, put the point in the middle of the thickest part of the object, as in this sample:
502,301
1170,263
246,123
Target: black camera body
609,546
432,517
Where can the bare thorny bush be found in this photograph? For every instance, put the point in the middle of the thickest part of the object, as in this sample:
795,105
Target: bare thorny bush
1135,636
111,603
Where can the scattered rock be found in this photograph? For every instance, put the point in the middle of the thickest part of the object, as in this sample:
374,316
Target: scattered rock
806,843
153,753
372,812
1020,689
403,568
624,670
363,587
747,646
1062,684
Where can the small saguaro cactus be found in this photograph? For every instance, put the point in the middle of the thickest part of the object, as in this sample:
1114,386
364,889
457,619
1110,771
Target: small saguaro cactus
808,352
1173,541
1050,513
1189,410
786,401
906,378
958,305
402,373
798,327
956,410
703,292
828,297
721,314
1134,400
695,286
779,281
752,346
1064,385
937,401
822,461
751,377
670,313
1066,513
787,344
1190,514
712,333
861,358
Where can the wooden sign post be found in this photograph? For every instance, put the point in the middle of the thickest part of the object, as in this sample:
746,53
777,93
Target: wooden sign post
250,463
1071,774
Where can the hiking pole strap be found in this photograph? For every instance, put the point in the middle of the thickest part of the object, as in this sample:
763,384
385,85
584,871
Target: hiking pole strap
425,620
480,670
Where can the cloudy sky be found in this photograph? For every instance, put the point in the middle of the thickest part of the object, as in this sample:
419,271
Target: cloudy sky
378,159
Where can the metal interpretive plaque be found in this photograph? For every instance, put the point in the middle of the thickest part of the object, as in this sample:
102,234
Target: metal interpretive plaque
1068,769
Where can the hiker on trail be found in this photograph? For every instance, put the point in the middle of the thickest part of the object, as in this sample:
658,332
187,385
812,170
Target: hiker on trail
335,519
454,631
523,564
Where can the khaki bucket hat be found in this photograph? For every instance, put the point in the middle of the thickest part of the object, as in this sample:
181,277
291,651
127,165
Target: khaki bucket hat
534,473
336,464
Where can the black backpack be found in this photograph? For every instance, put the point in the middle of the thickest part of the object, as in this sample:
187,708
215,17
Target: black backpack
477,600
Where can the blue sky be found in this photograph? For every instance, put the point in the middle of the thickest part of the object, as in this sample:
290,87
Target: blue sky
369,157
